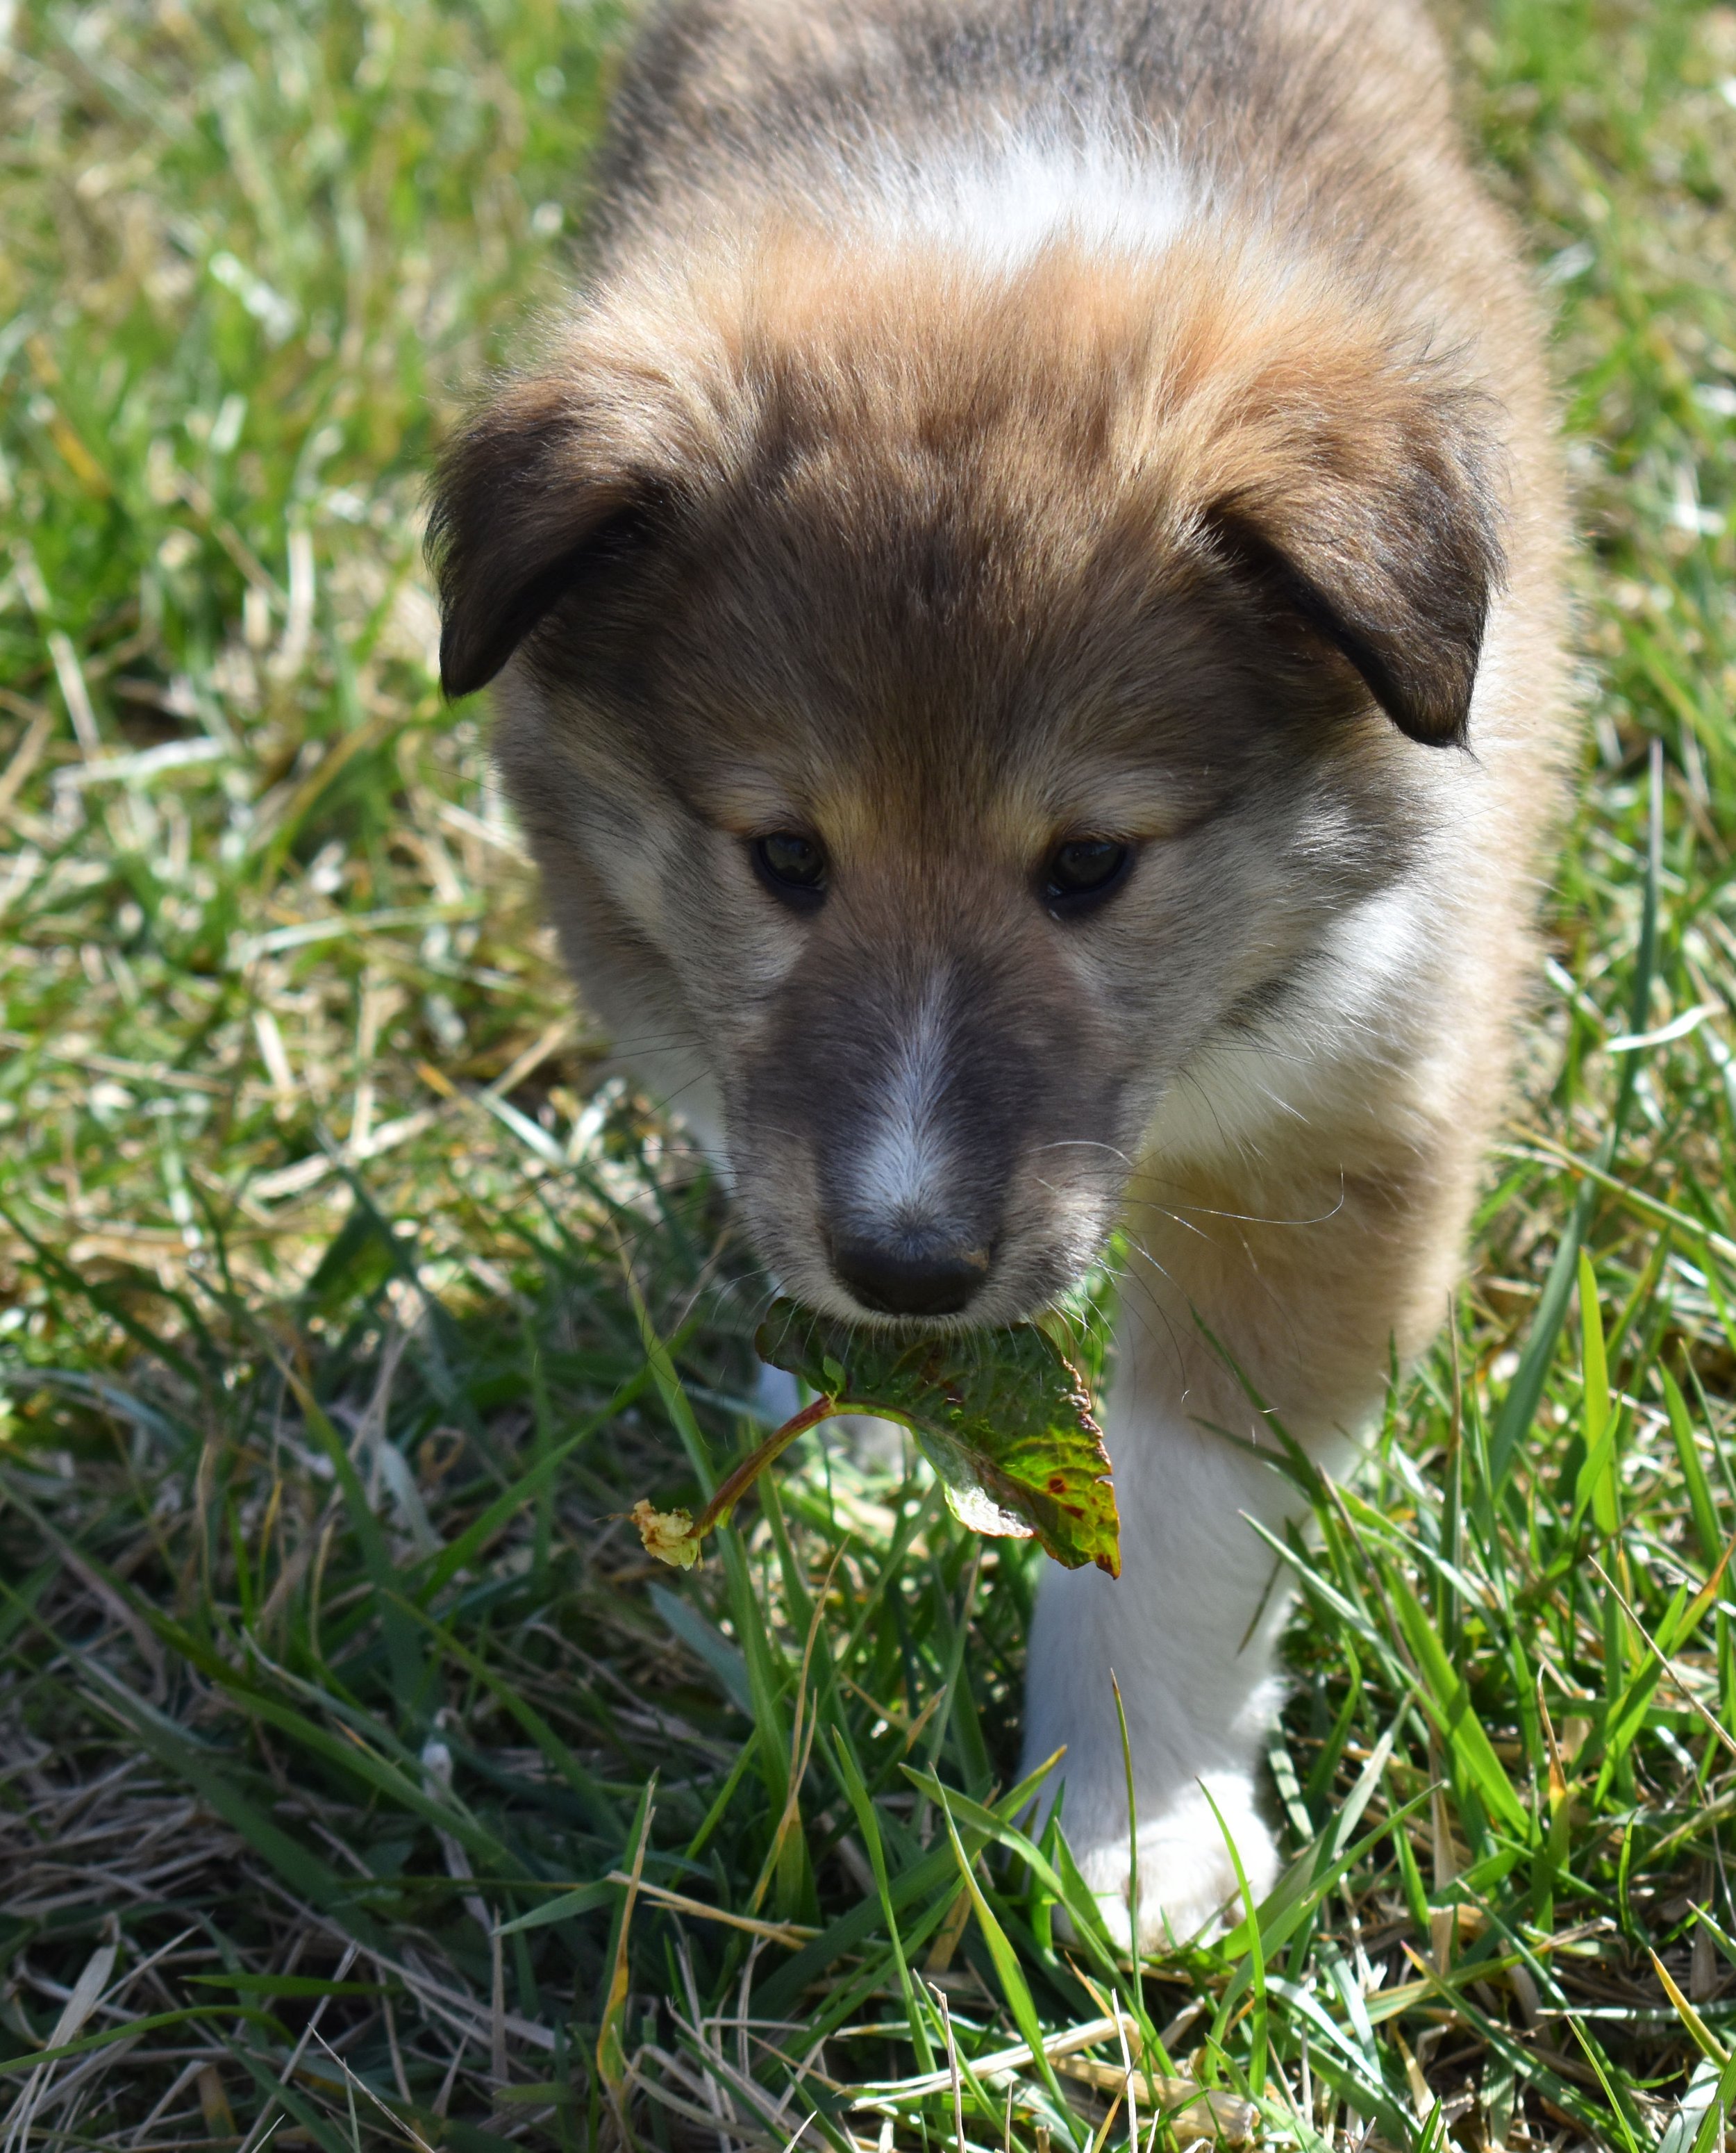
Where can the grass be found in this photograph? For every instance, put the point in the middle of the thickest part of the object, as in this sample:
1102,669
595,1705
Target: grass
360,1782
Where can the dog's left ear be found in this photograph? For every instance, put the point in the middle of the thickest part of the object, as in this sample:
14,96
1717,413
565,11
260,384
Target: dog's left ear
1364,508
549,495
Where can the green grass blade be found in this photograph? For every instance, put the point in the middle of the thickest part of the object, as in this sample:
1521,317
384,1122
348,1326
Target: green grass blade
1448,1701
1701,1505
1007,1970
869,1826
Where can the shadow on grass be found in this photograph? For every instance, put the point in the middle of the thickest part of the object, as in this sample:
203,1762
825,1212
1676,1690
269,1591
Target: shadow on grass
330,1657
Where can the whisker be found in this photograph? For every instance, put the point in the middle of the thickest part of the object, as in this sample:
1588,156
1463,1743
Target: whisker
1086,1143
1249,1218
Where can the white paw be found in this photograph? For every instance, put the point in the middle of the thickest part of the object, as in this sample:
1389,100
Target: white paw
1187,1879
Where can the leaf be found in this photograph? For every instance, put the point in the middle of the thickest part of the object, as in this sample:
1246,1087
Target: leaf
1002,1415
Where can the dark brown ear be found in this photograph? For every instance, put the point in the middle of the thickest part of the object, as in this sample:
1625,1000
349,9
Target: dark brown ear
1369,513
533,506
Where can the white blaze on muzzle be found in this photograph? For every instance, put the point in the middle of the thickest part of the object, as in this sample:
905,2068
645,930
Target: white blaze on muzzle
902,1181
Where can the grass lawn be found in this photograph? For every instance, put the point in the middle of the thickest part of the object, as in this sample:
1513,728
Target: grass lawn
360,1781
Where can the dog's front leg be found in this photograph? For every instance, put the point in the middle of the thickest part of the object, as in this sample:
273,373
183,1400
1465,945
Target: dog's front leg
1188,1632
1310,1289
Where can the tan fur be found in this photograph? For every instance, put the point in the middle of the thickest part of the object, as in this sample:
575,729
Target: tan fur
1211,517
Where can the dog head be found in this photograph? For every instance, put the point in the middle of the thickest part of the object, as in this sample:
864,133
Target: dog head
942,706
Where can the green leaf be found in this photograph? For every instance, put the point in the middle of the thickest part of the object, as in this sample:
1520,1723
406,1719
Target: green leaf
1002,1415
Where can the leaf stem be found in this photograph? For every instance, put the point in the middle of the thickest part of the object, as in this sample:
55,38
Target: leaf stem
732,1489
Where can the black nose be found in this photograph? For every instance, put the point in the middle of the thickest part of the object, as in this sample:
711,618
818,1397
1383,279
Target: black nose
910,1278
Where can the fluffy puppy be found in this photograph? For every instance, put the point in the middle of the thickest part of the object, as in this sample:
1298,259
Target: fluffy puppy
1023,600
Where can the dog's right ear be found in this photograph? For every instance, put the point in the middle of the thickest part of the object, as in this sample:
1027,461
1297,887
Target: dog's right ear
544,497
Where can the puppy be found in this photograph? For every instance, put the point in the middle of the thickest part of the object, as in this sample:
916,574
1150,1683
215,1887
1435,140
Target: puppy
1023,600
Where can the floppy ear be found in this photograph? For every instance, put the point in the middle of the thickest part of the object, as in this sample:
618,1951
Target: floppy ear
1364,506
534,503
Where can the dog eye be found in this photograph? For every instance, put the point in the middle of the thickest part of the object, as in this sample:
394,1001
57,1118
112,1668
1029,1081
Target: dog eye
1083,872
792,867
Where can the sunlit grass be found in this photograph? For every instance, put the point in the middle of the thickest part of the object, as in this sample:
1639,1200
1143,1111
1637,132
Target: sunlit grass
332,1686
